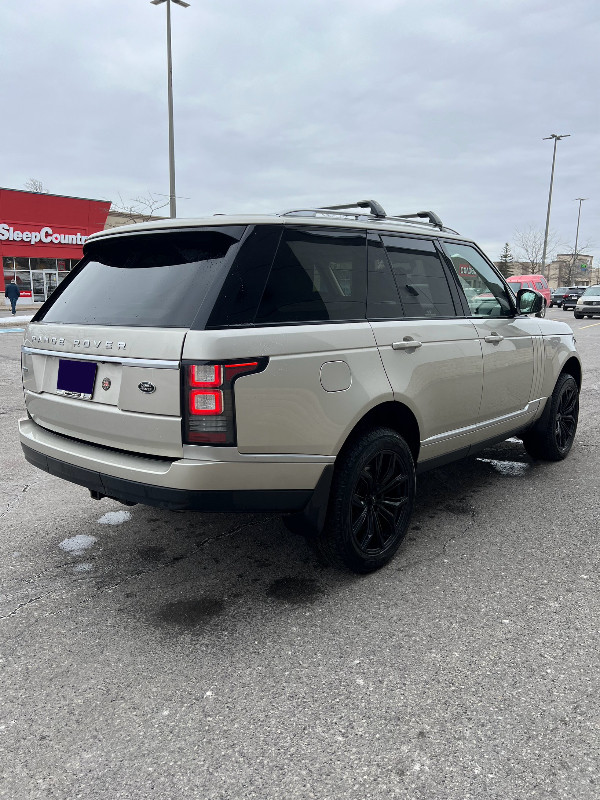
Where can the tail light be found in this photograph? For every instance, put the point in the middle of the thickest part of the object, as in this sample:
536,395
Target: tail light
208,399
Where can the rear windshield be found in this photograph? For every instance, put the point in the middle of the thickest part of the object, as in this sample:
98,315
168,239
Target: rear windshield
151,280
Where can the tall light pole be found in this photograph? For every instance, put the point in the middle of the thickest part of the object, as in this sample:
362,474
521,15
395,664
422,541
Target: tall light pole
172,204
556,139
580,199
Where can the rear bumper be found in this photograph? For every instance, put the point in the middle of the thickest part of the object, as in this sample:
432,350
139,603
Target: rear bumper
245,484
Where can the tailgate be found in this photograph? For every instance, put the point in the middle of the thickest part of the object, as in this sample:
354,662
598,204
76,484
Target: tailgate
117,387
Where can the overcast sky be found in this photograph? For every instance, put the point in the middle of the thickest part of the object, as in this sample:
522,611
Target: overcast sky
439,105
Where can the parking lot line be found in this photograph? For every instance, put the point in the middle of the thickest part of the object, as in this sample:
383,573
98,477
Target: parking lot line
593,325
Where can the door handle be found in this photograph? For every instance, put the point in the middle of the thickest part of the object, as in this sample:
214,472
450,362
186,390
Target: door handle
406,344
494,338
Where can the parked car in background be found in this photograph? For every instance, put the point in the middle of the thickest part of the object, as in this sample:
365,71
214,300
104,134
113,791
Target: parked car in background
571,297
307,363
557,295
588,304
537,282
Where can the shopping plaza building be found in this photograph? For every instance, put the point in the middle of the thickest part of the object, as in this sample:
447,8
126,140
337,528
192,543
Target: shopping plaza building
42,237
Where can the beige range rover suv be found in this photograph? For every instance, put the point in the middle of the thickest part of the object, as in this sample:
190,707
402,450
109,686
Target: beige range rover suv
308,363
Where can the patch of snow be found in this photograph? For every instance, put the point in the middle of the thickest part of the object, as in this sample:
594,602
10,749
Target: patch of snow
84,567
16,318
114,518
77,545
512,468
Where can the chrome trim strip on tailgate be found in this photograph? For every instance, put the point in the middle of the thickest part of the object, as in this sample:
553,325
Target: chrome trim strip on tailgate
128,362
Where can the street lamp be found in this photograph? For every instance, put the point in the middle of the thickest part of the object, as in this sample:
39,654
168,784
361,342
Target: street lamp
580,199
556,139
172,205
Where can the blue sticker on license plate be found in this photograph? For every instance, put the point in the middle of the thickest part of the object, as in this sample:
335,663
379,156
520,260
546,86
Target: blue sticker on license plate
76,378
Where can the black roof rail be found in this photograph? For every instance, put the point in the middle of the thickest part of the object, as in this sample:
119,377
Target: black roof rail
375,208
430,215
376,211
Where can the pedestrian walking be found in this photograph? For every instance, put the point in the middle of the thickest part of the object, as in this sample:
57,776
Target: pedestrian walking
13,293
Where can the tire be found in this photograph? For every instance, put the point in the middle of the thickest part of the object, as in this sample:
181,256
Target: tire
553,435
578,316
371,501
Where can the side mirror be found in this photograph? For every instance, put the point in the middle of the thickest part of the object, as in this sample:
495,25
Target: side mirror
529,301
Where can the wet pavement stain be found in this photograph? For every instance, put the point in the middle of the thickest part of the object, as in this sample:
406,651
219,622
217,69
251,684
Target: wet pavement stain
294,590
460,506
190,614
151,553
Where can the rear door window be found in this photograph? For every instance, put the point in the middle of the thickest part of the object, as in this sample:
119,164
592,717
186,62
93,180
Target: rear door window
317,275
383,300
420,277
151,279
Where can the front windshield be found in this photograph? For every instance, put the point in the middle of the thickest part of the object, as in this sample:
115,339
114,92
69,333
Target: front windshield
592,290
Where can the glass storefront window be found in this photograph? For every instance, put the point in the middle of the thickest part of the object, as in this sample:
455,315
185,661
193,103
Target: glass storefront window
23,280
22,263
8,267
43,263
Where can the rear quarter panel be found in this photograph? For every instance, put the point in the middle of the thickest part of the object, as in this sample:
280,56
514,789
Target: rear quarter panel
286,408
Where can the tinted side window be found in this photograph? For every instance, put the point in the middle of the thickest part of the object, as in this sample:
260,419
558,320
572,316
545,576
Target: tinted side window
484,290
383,301
317,275
420,277
240,295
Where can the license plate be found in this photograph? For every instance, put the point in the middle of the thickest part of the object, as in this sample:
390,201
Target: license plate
76,379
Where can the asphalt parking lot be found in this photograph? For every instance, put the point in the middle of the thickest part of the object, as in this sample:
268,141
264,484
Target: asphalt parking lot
146,653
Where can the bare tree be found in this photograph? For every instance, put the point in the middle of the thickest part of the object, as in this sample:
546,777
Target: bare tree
35,185
530,248
140,209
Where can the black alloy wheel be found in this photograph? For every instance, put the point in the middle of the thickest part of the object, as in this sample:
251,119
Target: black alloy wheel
371,502
565,419
553,435
379,497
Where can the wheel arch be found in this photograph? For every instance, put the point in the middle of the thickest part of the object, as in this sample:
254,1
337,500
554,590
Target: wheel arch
390,414
573,367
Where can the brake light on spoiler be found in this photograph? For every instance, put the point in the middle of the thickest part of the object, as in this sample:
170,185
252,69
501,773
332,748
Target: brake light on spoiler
208,399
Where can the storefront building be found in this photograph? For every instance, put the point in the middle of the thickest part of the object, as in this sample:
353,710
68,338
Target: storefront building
42,236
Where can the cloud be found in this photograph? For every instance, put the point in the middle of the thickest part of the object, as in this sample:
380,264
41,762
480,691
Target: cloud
439,105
